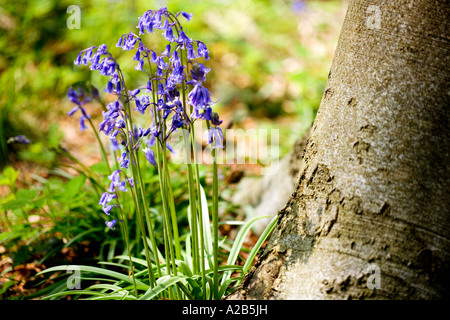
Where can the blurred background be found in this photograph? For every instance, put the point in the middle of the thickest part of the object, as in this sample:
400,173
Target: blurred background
269,60
269,63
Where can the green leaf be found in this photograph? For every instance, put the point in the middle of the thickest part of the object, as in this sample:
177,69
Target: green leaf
54,136
226,284
81,235
101,168
161,284
26,194
9,176
237,245
15,204
6,286
96,270
267,231
73,187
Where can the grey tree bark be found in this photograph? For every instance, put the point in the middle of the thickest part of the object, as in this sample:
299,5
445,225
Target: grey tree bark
370,215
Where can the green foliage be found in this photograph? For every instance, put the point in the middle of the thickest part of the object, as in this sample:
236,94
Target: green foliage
265,59
189,282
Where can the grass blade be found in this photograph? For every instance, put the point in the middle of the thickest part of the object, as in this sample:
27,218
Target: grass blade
267,231
161,284
237,245
95,270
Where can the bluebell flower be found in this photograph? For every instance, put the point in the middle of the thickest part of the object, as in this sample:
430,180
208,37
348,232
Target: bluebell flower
133,93
122,186
142,103
111,224
187,16
190,51
202,50
199,96
112,119
177,122
109,87
114,177
19,139
79,97
84,57
107,209
105,202
152,19
198,74
106,198
166,52
183,40
163,65
114,144
214,134
168,31
169,147
153,56
150,155
149,86
102,49
107,67
128,41
140,65
215,120
152,139
137,56
145,23
82,124
124,160
157,19
78,60
161,90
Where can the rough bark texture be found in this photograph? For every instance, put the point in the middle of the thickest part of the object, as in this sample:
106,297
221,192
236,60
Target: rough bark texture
374,182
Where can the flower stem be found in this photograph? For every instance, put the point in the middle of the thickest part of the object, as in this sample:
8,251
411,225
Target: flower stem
127,244
200,213
215,221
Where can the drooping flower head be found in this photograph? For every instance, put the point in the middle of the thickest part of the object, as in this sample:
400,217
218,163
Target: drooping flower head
79,98
111,224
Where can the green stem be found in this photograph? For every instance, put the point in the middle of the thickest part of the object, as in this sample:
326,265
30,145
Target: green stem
127,244
102,148
169,226
148,219
173,216
200,212
193,206
215,220
131,153
144,239
192,201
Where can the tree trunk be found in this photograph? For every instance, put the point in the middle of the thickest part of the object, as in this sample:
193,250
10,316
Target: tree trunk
370,214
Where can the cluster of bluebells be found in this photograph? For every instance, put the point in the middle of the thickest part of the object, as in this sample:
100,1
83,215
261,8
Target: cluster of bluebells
79,98
171,74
